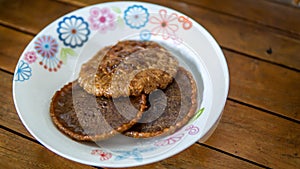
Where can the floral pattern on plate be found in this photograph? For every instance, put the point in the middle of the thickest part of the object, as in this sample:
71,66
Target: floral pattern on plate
145,35
103,155
65,52
136,153
192,130
186,23
30,57
197,115
165,25
23,72
136,16
73,31
170,140
47,47
102,19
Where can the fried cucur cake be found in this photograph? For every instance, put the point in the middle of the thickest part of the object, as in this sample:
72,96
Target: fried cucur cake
129,68
85,117
88,71
169,109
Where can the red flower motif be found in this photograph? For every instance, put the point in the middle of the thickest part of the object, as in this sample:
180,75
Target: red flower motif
186,23
47,47
102,154
165,25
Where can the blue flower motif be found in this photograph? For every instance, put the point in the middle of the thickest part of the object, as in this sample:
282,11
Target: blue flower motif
145,35
23,72
136,153
136,16
73,31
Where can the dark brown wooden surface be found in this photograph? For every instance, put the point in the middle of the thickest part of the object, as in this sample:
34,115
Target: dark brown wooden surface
262,12
294,3
18,152
260,124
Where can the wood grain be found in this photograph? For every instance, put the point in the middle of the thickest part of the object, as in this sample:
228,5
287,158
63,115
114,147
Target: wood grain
235,34
8,115
264,85
11,48
263,12
17,152
30,15
258,136
294,3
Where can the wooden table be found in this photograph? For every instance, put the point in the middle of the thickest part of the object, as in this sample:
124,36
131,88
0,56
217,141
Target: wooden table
260,124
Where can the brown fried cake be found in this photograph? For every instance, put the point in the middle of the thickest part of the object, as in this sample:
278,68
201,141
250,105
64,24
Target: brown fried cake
129,68
85,117
88,71
169,109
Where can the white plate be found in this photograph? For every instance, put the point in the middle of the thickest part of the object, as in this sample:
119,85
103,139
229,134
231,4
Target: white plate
53,58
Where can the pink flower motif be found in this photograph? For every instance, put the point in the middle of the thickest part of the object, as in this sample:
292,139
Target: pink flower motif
102,19
170,140
165,25
30,57
192,129
102,154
